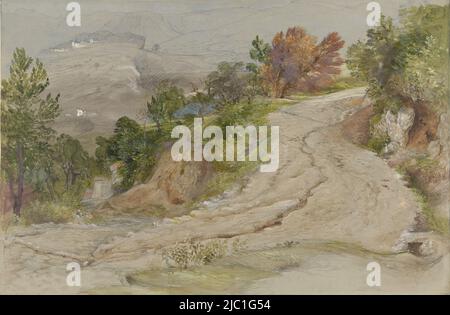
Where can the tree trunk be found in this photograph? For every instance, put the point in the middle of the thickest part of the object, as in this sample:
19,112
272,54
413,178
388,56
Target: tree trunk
50,188
11,190
20,180
67,179
283,91
74,177
158,125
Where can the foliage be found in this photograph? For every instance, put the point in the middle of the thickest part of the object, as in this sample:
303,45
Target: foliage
43,212
405,63
378,143
156,111
234,114
259,53
420,173
26,116
203,100
297,62
227,85
131,145
164,104
260,50
63,176
101,155
171,96
434,222
72,159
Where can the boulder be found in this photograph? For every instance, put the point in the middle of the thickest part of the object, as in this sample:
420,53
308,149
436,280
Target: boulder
396,126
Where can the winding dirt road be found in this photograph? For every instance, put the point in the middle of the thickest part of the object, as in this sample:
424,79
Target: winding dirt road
313,226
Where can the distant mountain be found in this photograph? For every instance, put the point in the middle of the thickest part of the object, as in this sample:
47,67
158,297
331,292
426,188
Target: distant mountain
215,30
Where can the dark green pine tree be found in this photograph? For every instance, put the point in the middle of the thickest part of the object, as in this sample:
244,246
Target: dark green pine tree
26,115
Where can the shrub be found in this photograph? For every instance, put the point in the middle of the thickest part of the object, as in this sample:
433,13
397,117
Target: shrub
192,253
235,114
44,212
378,143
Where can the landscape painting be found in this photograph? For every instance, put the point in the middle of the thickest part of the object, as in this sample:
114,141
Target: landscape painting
224,147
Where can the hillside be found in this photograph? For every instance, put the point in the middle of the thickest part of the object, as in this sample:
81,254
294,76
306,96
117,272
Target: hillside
213,29
109,78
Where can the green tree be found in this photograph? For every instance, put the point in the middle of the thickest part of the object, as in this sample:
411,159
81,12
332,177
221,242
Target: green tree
227,84
157,111
259,53
26,116
171,96
383,60
260,50
168,99
203,101
72,159
43,177
134,148
426,77
101,154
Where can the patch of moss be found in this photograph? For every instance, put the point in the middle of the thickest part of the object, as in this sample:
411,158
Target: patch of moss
227,174
435,223
378,143
409,171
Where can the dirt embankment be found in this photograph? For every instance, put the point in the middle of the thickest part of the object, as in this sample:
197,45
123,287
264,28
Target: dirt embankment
172,185
356,128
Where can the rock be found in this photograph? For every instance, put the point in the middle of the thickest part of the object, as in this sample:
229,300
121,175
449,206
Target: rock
434,149
396,127
422,244
427,248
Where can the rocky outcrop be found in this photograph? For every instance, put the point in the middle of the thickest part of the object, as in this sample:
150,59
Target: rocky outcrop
396,127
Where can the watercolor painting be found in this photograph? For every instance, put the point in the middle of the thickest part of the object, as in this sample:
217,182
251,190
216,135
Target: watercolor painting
209,147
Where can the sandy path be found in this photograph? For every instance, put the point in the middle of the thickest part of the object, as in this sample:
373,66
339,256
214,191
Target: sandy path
325,190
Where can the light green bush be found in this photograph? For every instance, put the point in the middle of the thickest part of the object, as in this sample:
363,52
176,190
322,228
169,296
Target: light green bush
45,212
378,143
191,253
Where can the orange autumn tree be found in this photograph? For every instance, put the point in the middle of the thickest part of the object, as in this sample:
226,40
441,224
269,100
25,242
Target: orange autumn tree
297,62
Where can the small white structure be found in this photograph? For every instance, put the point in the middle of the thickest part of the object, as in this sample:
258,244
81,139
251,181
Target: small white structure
80,112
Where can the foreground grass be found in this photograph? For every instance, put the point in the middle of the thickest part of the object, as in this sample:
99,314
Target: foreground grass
430,167
435,223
